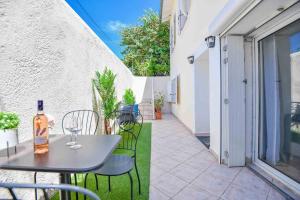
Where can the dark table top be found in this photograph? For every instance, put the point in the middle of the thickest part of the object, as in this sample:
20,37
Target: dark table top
60,158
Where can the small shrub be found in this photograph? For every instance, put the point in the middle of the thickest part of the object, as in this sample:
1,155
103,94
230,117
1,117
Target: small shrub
9,120
128,97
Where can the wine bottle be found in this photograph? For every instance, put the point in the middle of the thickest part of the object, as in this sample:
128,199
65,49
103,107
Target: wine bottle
40,130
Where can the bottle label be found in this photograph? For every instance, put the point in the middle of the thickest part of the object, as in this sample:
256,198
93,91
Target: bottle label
40,140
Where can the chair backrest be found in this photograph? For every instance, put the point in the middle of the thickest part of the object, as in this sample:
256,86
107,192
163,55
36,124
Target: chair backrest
63,187
87,119
128,124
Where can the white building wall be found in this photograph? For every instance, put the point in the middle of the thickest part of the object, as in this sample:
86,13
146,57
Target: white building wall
191,37
47,52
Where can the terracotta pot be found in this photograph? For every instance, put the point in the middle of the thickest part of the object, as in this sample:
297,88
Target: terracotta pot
158,114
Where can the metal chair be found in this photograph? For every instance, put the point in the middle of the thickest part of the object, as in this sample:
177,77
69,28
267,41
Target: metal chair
63,187
128,125
88,120
85,119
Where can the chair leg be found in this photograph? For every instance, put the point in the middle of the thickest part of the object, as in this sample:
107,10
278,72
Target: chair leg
85,179
35,180
75,177
96,178
109,187
131,186
138,176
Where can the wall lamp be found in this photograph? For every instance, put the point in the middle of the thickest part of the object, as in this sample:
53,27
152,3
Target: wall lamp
210,41
190,59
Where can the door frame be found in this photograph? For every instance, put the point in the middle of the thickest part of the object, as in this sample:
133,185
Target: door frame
288,17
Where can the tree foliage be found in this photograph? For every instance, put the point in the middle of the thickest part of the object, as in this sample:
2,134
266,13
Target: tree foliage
146,46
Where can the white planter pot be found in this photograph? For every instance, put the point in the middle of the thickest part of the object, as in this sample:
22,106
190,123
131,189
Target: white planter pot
10,136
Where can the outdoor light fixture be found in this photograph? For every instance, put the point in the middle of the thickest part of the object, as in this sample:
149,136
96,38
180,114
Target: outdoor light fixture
191,59
210,41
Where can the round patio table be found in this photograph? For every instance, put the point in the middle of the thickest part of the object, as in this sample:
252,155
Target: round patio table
60,158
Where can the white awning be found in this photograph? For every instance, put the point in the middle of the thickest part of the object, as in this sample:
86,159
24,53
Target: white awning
230,14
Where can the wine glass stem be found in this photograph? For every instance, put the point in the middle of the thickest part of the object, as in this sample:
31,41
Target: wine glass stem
75,138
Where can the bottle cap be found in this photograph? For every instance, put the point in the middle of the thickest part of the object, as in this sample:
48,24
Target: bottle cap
40,105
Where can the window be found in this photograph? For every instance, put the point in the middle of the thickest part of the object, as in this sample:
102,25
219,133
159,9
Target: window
173,90
279,138
183,12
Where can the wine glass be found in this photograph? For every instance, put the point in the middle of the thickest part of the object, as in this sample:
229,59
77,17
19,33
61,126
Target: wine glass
76,130
71,126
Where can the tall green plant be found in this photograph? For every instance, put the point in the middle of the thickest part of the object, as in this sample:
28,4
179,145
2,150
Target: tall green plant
104,83
128,97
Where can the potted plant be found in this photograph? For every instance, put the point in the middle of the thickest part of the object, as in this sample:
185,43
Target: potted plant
105,85
8,129
129,102
159,101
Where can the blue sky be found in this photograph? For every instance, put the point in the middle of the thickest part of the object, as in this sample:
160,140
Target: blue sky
107,17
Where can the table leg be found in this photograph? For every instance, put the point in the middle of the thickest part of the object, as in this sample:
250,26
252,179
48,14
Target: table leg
65,179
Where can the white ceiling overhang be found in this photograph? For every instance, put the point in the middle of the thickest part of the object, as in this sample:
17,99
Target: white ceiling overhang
243,16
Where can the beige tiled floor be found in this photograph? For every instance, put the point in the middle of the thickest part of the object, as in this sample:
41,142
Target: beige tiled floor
183,169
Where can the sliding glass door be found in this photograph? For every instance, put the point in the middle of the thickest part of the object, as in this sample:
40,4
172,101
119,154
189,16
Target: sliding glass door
279,137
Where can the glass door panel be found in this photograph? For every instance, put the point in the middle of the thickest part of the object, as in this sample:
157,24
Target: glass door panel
279,138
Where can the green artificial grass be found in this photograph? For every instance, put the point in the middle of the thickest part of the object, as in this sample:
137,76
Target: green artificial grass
120,185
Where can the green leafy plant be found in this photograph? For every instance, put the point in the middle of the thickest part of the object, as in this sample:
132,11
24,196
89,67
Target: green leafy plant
159,101
9,120
104,83
146,46
128,97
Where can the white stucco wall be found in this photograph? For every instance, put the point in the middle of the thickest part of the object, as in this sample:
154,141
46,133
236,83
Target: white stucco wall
47,52
187,43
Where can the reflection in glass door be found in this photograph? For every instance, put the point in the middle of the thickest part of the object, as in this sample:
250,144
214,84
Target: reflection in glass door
279,139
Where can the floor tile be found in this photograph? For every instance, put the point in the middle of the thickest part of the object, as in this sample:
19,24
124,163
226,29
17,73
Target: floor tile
155,194
169,184
197,162
166,163
191,193
156,172
223,171
235,192
186,172
249,180
211,183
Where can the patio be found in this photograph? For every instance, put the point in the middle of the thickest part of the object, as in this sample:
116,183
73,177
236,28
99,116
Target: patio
182,168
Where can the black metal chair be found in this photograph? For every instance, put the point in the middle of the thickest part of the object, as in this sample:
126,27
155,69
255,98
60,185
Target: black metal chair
128,125
88,120
63,187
